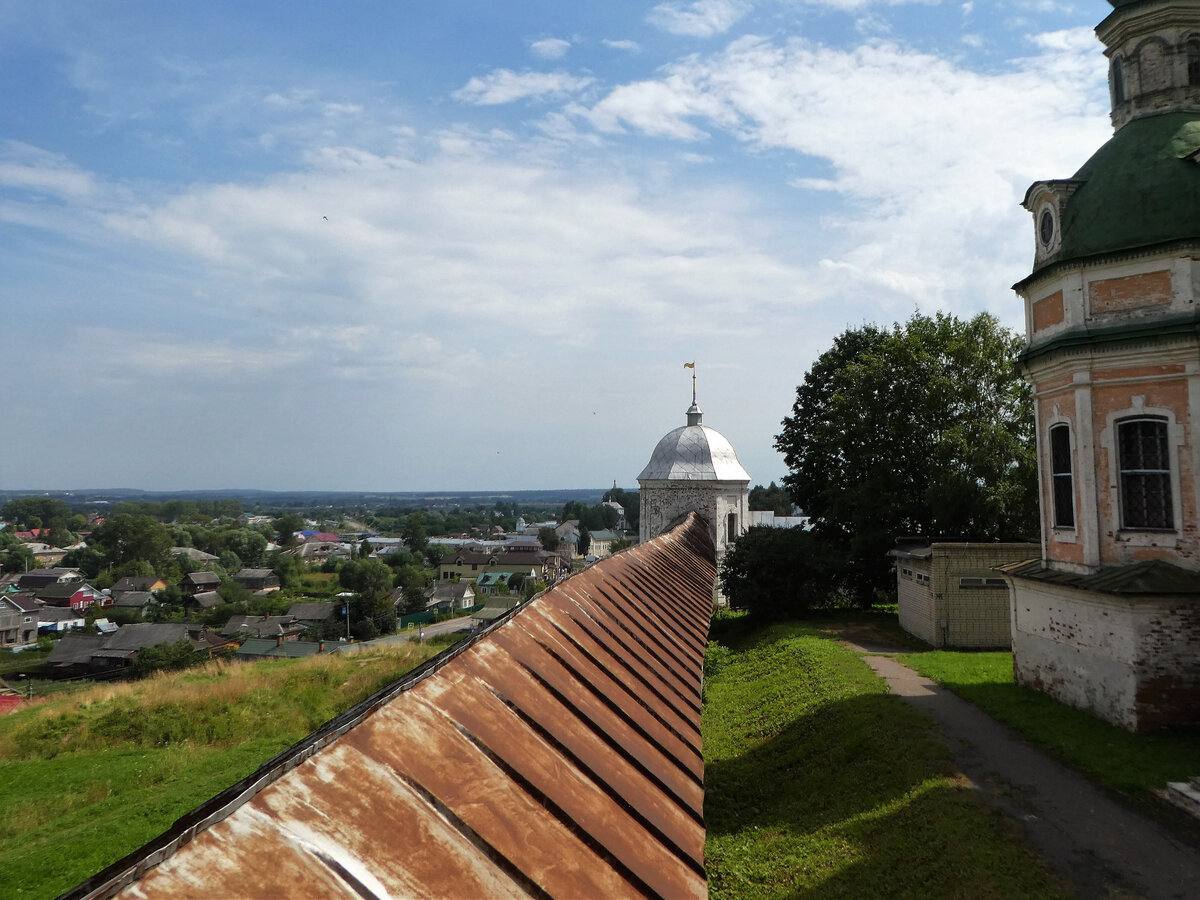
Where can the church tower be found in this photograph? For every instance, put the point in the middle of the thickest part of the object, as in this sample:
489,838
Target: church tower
695,469
1106,618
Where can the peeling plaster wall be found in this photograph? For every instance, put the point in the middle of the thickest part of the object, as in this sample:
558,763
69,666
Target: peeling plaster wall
663,503
1133,661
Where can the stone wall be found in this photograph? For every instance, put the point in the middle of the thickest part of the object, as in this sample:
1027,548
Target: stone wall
1133,661
664,503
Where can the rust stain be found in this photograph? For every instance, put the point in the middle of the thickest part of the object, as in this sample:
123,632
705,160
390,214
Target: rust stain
555,755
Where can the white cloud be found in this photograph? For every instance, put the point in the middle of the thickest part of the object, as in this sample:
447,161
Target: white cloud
550,48
32,169
628,46
506,86
933,157
699,18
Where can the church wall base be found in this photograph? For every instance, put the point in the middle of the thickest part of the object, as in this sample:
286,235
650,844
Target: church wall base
1133,661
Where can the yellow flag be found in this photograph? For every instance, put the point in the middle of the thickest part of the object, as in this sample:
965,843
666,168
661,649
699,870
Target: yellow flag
690,365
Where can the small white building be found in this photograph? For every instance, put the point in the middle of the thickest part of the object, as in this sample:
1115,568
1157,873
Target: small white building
695,469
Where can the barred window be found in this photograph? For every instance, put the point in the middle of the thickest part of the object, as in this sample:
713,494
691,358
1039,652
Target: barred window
1193,62
1144,460
1061,476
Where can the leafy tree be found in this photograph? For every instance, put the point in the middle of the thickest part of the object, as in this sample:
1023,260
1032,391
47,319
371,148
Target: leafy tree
230,561
33,512
86,559
125,538
778,573
620,544
414,534
370,578
532,588
286,527
585,540
775,498
14,555
549,538
922,429
248,544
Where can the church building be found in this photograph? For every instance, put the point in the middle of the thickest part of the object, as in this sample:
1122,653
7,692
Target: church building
695,469
1109,618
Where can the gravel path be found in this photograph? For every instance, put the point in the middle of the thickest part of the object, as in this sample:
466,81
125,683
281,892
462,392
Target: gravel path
1104,848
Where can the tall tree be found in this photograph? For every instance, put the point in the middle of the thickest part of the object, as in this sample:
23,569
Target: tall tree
126,538
925,429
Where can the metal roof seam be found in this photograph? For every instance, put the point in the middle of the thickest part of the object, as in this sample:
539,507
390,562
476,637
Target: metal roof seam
620,713
678,668
633,673
588,726
636,651
562,661
561,815
510,868
654,620
602,785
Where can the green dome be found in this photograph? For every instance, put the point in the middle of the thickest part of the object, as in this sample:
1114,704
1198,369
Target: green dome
1139,190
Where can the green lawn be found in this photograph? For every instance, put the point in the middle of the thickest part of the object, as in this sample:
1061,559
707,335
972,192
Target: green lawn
819,783
1132,764
94,776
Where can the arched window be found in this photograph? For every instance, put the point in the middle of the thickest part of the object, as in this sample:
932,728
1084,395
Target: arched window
1062,476
731,528
1193,62
1116,80
1144,466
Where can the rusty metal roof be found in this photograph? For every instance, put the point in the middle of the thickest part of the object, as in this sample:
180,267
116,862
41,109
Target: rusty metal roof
556,754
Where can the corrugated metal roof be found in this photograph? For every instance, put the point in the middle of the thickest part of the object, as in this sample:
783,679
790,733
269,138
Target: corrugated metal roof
556,754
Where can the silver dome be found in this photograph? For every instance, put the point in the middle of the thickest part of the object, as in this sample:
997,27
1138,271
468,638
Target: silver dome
694,452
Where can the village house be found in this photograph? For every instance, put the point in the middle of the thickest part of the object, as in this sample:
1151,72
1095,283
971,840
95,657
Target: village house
77,595
450,597
261,581
199,582
37,578
461,564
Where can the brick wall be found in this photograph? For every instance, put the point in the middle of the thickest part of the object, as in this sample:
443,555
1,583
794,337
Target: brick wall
1134,662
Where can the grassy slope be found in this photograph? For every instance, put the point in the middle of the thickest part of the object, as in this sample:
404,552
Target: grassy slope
820,783
95,776
1132,764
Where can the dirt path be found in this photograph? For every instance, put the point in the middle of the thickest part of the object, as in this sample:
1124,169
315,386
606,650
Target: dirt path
1103,847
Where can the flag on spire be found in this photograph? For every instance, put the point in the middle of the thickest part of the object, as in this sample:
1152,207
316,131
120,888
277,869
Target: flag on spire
690,365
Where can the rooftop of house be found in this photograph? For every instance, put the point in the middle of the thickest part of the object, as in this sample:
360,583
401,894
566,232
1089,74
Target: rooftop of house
544,756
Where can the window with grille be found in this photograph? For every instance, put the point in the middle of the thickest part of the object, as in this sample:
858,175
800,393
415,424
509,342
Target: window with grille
1116,77
1144,461
1061,477
1193,62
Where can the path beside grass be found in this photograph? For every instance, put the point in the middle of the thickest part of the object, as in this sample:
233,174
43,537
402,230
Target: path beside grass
1103,846
820,784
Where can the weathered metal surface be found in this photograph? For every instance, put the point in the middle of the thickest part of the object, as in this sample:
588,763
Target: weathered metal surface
555,755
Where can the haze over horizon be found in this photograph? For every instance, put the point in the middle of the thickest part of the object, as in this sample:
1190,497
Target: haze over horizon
390,248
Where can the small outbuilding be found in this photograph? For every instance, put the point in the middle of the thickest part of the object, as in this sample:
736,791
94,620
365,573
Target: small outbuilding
950,594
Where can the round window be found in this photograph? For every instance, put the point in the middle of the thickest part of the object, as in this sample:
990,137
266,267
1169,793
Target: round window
1046,227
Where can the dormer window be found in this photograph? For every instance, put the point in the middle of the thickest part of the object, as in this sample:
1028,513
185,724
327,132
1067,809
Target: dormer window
1193,62
1046,227
1116,80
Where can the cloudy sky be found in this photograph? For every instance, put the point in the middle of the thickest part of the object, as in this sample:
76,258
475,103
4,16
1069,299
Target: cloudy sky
469,245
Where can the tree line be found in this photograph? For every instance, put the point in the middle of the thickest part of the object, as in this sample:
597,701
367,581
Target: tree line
921,429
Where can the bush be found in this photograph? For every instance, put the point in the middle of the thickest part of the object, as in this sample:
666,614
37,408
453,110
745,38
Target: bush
779,573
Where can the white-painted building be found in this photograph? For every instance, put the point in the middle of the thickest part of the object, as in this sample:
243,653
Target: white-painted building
695,469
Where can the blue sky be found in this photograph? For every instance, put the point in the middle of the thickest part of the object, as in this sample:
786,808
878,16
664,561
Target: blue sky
459,245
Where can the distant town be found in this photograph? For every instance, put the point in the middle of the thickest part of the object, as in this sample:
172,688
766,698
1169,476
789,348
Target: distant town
119,584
